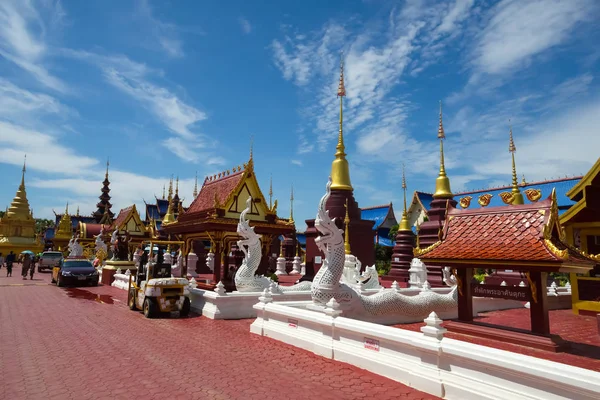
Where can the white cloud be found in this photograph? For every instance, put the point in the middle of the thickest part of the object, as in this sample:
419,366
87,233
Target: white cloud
518,31
297,162
22,33
16,102
165,33
245,25
458,12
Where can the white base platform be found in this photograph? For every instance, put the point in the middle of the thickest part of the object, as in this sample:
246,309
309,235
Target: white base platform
446,368
239,305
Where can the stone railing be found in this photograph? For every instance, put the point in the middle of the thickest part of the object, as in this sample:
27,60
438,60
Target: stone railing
426,361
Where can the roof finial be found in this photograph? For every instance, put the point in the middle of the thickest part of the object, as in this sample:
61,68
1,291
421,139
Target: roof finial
517,195
523,181
77,211
177,187
292,205
163,196
347,249
442,183
271,193
170,189
22,186
340,171
251,147
196,186
107,164
67,209
404,224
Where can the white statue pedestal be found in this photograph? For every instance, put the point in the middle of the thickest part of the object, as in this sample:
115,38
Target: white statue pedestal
280,266
192,260
296,266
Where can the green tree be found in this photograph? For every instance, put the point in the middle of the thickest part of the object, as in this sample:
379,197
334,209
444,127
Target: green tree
42,224
383,259
393,232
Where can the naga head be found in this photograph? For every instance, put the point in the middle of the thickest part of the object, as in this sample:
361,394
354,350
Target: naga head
243,228
330,233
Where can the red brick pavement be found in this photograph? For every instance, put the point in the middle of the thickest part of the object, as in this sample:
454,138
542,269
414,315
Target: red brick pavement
58,343
581,331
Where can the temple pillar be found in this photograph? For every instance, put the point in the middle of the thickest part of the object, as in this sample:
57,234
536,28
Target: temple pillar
538,306
465,294
218,260
430,232
402,255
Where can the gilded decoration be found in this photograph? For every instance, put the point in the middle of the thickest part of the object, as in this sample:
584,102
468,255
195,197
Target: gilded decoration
484,199
465,202
532,286
533,195
417,252
562,254
507,197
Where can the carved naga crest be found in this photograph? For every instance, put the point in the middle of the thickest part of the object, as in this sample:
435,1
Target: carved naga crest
325,225
244,228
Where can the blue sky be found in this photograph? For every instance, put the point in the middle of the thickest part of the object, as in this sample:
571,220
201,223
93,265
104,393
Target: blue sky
175,87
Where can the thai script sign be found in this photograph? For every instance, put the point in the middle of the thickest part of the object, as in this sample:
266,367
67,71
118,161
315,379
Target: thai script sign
371,344
293,323
502,292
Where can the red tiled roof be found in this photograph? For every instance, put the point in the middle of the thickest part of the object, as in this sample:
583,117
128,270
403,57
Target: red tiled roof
507,233
121,217
221,187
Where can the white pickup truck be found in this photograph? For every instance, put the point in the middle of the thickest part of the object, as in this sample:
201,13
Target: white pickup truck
49,260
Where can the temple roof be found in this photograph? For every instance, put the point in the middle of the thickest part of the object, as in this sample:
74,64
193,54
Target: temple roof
516,235
76,219
19,207
591,178
380,215
219,189
122,217
162,205
152,212
384,241
423,198
586,193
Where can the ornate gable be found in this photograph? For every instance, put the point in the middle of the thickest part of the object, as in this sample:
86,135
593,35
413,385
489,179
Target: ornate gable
248,186
129,220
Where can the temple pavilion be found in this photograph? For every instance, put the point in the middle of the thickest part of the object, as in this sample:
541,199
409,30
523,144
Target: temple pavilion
17,226
210,222
384,219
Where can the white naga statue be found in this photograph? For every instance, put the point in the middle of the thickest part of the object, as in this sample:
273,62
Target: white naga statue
100,245
326,284
76,249
369,279
70,245
245,278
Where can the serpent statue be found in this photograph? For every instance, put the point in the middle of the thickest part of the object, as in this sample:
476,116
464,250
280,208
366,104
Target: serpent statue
389,302
245,278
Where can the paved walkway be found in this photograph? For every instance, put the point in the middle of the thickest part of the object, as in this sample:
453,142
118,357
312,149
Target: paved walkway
84,343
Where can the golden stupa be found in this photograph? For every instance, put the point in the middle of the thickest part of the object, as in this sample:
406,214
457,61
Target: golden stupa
17,226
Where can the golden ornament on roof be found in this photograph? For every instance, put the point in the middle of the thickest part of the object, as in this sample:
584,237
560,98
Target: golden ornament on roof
507,197
533,194
484,200
465,202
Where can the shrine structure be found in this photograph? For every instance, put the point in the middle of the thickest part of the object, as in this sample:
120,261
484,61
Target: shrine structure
402,254
430,230
384,219
525,237
17,226
342,193
213,216
103,214
582,226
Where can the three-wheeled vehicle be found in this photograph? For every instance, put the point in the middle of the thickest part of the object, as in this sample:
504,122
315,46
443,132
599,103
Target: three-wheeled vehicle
154,291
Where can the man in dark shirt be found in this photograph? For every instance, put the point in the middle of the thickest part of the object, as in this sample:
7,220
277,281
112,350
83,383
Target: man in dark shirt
10,259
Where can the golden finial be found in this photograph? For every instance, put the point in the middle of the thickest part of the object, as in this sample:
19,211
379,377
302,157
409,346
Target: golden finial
442,183
347,249
196,186
523,181
251,150
177,187
404,223
170,189
292,205
517,195
22,186
271,193
163,196
340,170
281,248
67,209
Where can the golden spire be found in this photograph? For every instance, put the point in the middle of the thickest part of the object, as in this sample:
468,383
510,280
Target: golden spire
292,205
196,186
523,181
163,196
169,216
281,248
251,161
442,183
19,208
517,195
347,230
177,187
170,189
271,193
65,227
404,224
340,171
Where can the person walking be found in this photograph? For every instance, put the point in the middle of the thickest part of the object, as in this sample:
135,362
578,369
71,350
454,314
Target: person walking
32,267
10,259
25,265
1,260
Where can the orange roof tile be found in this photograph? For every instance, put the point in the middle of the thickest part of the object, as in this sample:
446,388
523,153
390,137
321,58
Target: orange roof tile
222,188
506,233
